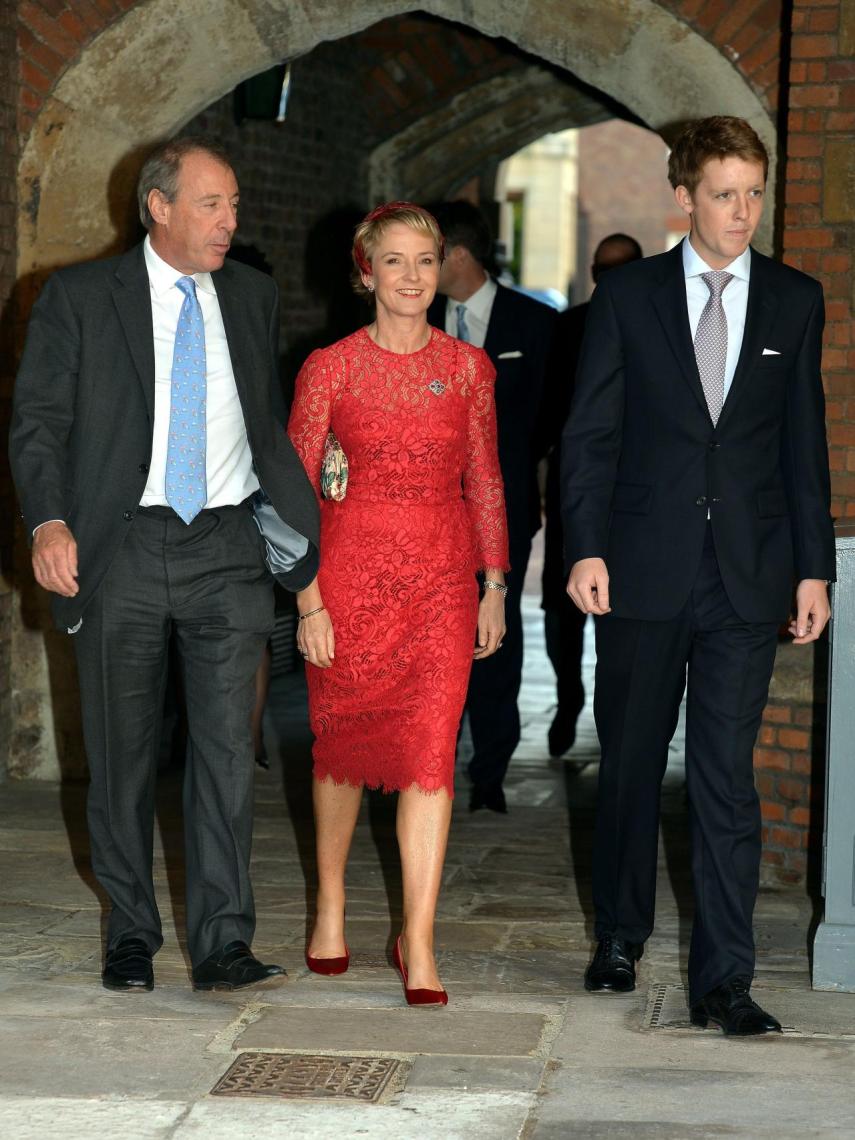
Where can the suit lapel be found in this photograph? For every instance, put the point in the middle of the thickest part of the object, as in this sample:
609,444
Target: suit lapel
496,325
669,301
235,323
132,297
759,315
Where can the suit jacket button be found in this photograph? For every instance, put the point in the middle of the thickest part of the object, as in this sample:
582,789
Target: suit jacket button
128,515
144,468
701,501
714,446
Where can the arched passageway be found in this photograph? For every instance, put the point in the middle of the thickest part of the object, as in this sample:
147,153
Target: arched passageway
156,68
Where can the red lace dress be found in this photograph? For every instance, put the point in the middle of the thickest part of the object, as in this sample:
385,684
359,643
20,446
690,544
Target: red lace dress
424,510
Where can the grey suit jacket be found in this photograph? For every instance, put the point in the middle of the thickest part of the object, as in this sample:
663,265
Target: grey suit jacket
83,414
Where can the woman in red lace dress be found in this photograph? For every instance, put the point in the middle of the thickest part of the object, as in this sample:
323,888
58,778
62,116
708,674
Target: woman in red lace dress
390,622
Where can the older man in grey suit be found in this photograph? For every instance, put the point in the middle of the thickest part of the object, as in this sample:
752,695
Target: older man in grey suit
143,426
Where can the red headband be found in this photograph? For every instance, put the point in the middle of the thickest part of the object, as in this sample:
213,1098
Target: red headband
383,211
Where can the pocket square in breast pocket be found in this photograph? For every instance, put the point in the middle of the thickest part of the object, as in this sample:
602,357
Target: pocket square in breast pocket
771,352
515,355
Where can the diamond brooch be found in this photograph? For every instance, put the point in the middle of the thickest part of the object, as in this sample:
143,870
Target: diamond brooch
437,387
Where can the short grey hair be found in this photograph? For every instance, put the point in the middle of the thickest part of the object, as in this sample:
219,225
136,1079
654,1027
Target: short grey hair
161,169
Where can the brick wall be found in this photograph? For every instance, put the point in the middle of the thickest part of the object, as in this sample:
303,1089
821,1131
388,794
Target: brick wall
8,163
819,227
623,186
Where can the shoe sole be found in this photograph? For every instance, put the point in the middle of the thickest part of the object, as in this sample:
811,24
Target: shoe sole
598,989
146,988
268,983
701,1021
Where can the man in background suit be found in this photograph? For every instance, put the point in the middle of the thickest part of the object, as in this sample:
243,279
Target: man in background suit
515,332
143,424
563,623
695,492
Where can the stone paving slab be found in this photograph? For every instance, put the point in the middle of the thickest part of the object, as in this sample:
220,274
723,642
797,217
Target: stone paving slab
75,1118
395,1030
467,1073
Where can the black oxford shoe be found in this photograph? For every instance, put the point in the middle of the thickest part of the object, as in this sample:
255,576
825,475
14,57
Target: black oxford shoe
730,1006
232,968
488,796
613,966
128,968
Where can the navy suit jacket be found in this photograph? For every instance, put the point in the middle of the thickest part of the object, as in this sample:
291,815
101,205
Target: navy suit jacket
642,464
519,335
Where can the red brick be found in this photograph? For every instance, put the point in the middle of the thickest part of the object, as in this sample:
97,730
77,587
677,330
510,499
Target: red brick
710,14
784,837
798,72
764,50
771,812
826,95
772,758
795,738
30,100
46,29
813,47
765,784
800,816
796,791
34,77
799,170
804,146
840,69
817,72
733,20
803,192
767,735
773,858
824,20
837,311
810,238
777,714
836,262
840,121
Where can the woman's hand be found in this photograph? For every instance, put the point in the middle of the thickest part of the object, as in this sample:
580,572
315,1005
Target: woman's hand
491,624
316,640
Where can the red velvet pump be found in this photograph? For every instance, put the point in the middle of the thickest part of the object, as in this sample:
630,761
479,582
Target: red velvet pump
329,966
416,997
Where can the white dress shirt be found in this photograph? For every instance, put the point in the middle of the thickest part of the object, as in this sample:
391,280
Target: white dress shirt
734,300
228,463
478,308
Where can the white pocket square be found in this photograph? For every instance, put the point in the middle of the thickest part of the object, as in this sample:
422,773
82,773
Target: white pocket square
509,355
771,352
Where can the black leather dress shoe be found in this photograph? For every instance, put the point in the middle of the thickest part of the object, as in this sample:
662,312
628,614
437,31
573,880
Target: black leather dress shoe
613,966
490,797
730,1006
232,968
128,968
562,733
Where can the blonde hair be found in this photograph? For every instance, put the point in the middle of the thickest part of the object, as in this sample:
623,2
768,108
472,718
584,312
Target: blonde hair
370,231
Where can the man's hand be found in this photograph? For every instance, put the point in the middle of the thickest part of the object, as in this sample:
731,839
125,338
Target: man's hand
588,586
812,611
55,559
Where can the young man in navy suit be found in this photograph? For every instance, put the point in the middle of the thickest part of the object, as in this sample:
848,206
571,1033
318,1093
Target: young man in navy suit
515,331
695,494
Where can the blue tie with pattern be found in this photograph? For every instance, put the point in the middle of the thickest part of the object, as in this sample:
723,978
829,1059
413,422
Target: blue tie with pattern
462,327
186,486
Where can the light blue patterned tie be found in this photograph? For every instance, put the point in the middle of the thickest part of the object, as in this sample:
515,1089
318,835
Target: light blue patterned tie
462,327
186,487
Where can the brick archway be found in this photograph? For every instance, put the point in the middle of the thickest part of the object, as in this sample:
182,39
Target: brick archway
109,88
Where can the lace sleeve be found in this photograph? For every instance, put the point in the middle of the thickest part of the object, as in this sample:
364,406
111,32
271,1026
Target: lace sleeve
311,412
482,478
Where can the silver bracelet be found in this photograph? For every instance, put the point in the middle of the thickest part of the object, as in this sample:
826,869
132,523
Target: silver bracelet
489,584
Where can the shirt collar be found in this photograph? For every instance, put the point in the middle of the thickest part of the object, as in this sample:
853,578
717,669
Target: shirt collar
162,276
694,265
481,301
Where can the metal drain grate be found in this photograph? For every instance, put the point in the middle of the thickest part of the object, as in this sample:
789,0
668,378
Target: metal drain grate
308,1077
802,1013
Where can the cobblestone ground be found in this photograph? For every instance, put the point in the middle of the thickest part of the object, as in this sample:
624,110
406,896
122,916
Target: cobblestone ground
521,1051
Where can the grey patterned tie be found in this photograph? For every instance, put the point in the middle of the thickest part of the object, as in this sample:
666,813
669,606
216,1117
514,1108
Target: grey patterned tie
711,342
462,327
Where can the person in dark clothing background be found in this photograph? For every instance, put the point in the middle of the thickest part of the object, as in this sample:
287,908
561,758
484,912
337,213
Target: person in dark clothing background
563,623
515,331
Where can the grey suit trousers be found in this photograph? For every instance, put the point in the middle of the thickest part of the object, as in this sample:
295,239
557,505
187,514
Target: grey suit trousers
207,583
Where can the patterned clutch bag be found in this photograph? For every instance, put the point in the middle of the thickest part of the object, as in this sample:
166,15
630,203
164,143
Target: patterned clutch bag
333,470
